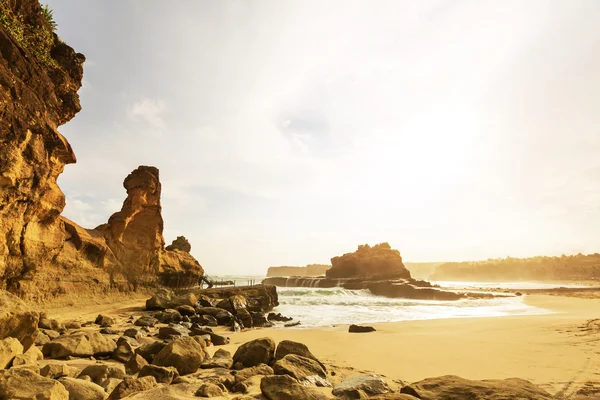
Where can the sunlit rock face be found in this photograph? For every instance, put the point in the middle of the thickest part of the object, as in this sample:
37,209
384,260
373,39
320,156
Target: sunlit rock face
377,262
38,92
134,234
42,254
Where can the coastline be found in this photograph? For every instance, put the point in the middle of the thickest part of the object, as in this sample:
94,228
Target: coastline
556,350
551,350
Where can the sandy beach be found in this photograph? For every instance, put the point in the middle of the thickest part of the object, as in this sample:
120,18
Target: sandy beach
553,350
558,351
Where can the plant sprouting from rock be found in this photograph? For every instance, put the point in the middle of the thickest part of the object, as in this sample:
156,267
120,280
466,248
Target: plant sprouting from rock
48,15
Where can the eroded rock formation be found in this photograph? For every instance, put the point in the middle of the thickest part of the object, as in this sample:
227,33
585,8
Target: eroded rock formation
42,254
377,262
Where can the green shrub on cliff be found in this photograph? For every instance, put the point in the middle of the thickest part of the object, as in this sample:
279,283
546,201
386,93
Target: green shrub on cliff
48,15
35,38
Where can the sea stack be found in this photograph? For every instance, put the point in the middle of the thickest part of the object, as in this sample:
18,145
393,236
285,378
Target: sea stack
377,262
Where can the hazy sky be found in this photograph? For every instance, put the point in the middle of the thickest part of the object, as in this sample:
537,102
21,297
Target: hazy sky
288,132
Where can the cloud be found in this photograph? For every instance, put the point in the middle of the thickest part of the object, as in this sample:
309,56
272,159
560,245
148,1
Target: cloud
149,111
306,129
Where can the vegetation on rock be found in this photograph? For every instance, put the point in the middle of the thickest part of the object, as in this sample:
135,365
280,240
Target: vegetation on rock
35,35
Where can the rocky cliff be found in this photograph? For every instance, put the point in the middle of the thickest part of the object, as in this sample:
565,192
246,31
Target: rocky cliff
42,254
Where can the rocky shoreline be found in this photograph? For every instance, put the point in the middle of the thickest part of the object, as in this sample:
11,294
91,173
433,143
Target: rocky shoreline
380,270
171,350
394,288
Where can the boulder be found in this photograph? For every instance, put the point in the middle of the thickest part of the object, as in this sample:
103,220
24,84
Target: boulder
41,339
47,323
259,297
185,354
361,385
161,374
104,321
186,310
278,317
216,339
82,390
52,334
9,349
160,301
146,320
209,390
172,331
130,386
187,299
207,320
360,329
123,352
244,317
258,351
298,367
135,364
73,325
450,386
31,356
237,301
393,396
32,367
134,333
205,301
59,370
284,387
222,316
23,384
150,350
17,319
99,373
221,359
259,320
286,347
79,344
168,316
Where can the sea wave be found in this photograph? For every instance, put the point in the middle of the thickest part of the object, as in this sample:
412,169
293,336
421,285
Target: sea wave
334,306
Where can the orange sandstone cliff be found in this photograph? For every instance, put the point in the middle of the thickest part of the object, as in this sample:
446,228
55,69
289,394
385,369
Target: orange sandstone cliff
42,254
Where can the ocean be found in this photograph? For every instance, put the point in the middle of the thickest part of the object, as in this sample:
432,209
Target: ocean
326,307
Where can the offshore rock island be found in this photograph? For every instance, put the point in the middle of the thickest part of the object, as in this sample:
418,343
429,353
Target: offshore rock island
380,270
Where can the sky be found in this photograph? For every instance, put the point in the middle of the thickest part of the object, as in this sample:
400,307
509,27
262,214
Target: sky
289,132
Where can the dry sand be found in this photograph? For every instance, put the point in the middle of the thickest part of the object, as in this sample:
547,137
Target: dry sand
559,350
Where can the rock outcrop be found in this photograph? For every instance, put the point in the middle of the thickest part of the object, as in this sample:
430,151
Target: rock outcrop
42,254
134,235
309,270
181,243
17,319
454,387
377,262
